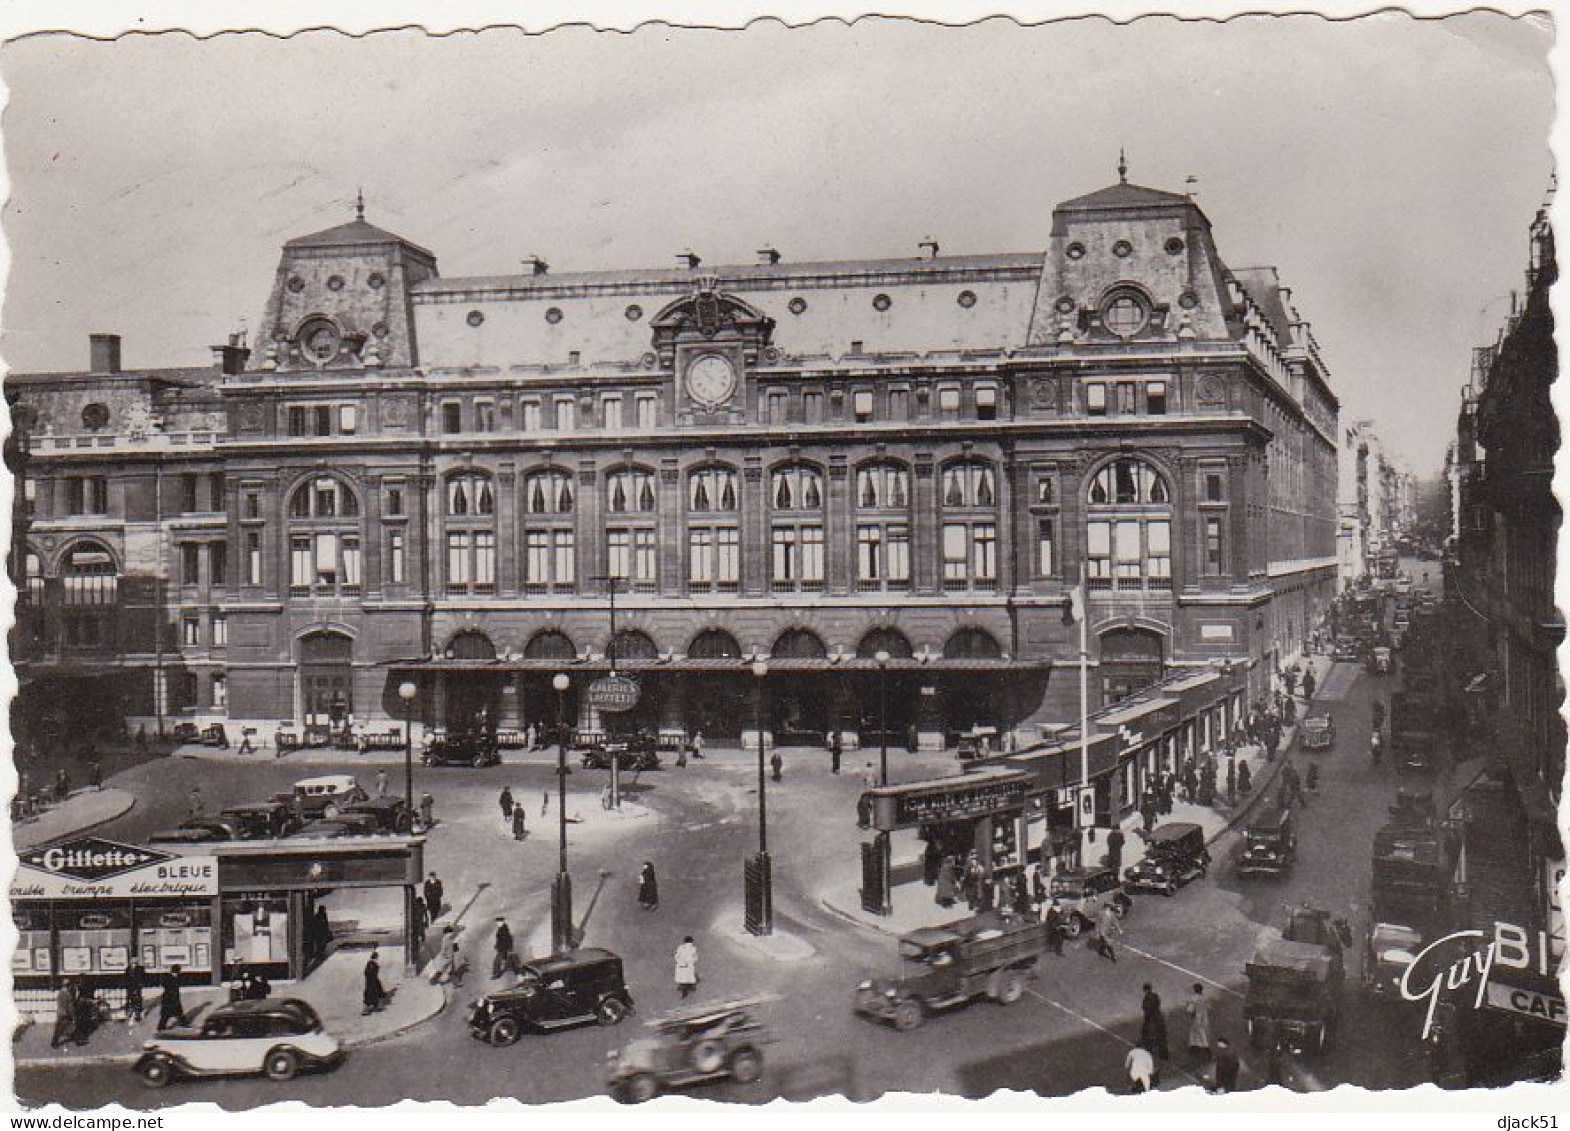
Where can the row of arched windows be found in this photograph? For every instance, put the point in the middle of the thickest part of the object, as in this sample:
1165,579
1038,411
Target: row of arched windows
968,643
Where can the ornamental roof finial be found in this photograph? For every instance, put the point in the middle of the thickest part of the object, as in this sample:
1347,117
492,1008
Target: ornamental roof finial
1122,167
359,204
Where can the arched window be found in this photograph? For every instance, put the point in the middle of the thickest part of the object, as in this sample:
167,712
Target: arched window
969,549
883,527
1129,527
33,575
549,644
890,640
550,558
714,644
630,644
629,492
713,530
632,544
799,644
796,529
324,539
471,644
89,576
471,533
548,492
972,644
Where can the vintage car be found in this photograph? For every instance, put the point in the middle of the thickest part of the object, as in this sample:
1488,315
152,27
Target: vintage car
324,796
262,821
477,751
1080,893
390,814
275,1037
195,831
1345,649
1269,844
1389,950
1380,661
331,828
1415,751
986,955
719,1041
977,742
1318,732
632,752
1175,854
566,989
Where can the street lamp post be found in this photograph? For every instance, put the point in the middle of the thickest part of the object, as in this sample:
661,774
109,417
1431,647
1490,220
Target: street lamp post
883,717
758,872
561,890
407,690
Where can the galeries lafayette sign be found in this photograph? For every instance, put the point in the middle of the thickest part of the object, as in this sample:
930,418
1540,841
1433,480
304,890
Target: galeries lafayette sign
92,868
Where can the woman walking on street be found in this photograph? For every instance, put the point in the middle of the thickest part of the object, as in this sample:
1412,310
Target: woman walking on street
648,887
1198,1010
686,966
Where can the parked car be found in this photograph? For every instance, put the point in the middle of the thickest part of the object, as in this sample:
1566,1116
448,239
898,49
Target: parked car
1174,855
275,1037
462,750
691,1046
262,821
1318,732
573,988
1345,649
324,796
198,831
390,814
331,828
1270,844
633,751
1080,893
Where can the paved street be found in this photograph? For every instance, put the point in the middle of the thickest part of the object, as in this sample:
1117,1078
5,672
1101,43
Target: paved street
1069,1032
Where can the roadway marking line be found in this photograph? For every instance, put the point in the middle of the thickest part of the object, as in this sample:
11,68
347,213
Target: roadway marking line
1181,969
1122,1040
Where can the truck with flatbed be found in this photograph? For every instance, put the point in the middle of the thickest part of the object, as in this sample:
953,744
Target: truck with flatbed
1295,979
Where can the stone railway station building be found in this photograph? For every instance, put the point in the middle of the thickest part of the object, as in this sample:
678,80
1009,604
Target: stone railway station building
406,476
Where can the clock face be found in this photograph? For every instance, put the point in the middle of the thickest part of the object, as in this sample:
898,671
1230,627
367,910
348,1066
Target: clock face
711,379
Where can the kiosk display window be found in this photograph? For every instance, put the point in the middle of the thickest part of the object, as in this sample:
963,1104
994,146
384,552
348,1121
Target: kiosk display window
94,939
256,929
31,955
174,936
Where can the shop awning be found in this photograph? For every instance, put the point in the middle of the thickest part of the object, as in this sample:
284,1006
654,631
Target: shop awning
1132,712
507,666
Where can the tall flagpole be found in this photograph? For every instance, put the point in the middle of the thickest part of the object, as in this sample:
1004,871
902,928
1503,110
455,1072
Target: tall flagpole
1084,697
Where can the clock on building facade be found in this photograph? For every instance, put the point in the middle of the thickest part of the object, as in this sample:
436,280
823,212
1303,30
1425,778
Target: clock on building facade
711,379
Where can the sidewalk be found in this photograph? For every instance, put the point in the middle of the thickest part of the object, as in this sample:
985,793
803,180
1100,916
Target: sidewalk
333,988
83,810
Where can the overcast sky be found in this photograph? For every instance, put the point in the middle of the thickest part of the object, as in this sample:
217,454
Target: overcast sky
1389,167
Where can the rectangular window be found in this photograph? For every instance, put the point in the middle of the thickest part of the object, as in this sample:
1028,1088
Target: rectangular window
923,402
727,558
531,416
1096,400
564,559
484,416
899,404
348,419
395,558
326,576
870,555
645,558
220,631
458,562
1158,553
700,557
1156,398
191,631
955,552
812,555
984,552
1046,560
986,402
778,407
618,553
862,400
253,505
188,491
253,557
322,418
1213,547
299,423
75,496
1126,403
220,691
485,561
350,547
1213,488
948,404
395,501
452,417
1126,553
190,564
610,412
537,558
784,554
218,563
1046,491
648,414
29,495
98,495
300,562
566,414
812,407
1098,536
218,492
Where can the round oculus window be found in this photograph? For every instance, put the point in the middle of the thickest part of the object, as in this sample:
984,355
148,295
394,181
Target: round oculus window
296,284
881,302
798,305
1175,246
1065,305
380,330
335,282
476,317
1188,300
377,281
634,312
319,341
95,416
1075,251
967,299
553,315
1122,249
1125,315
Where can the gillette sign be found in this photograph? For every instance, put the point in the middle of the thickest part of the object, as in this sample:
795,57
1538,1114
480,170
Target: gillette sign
92,868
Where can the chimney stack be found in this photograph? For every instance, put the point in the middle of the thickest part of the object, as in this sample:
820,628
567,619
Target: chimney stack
930,246
231,358
536,265
105,352
690,259
768,255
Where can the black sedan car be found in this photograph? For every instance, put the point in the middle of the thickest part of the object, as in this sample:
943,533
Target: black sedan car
554,993
632,752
